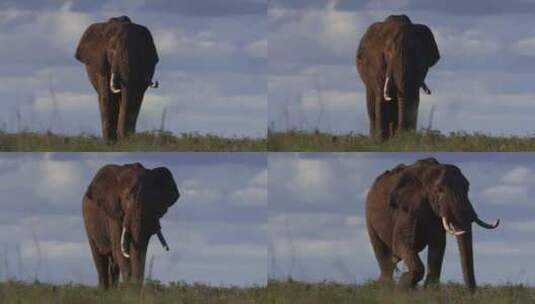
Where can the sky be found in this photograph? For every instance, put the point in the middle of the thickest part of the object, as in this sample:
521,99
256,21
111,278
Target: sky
216,230
482,83
212,69
317,228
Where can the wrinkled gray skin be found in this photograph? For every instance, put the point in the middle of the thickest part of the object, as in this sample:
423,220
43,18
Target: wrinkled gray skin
404,211
401,51
125,50
129,198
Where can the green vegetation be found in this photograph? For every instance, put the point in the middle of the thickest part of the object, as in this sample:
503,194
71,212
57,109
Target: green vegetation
152,292
278,292
146,141
291,292
418,141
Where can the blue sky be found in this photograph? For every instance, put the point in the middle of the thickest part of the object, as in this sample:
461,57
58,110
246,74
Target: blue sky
216,231
483,81
212,69
317,227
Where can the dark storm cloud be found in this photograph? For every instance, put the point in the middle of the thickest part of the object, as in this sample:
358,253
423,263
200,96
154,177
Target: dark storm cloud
206,8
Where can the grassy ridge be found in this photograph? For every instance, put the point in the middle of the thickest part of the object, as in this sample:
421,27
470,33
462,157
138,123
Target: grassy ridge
277,292
418,141
18,292
292,292
146,141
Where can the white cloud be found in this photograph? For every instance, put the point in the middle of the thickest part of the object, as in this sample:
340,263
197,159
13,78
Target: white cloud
505,248
257,49
260,180
518,175
56,249
465,43
312,180
524,226
252,196
525,46
202,44
195,191
505,194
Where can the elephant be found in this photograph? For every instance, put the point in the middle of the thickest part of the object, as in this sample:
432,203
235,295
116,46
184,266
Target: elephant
120,58
413,206
122,208
393,59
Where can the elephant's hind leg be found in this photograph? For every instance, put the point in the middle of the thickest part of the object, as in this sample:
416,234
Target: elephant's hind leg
384,257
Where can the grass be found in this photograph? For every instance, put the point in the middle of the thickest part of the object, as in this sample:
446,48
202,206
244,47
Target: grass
153,292
292,292
304,141
146,141
277,292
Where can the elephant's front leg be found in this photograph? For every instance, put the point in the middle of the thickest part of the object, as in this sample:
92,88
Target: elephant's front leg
435,256
381,121
407,114
130,105
109,111
415,267
370,103
101,263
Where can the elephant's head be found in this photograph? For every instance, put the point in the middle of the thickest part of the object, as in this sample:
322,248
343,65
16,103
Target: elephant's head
410,50
444,189
137,198
123,53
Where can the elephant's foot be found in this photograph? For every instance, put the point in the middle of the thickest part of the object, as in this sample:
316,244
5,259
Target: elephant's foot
431,282
407,281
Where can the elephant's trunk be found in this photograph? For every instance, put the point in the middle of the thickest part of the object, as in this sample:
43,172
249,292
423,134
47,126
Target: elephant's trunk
486,225
402,104
123,244
425,88
162,240
467,258
138,263
154,84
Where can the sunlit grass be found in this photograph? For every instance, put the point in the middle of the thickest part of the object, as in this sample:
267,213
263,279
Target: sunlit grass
151,292
145,141
292,292
296,140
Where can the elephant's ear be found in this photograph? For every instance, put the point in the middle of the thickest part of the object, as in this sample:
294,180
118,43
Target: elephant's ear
408,193
104,193
151,52
164,192
426,36
91,48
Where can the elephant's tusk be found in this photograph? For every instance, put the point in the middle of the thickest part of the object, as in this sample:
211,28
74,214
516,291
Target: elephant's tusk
123,249
385,90
486,225
426,89
451,230
154,85
112,84
162,240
